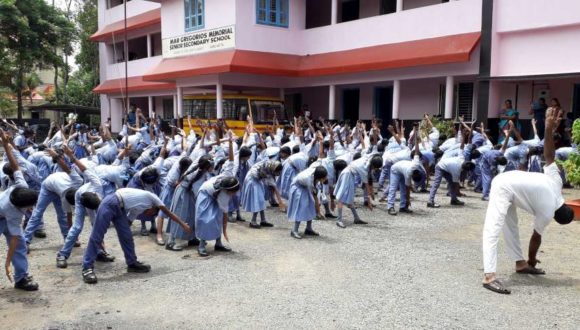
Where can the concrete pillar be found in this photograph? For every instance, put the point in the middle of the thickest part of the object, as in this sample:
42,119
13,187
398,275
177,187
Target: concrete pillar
219,100
399,5
150,105
334,12
332,102
178,108
282,94
148,45
449,88
396,98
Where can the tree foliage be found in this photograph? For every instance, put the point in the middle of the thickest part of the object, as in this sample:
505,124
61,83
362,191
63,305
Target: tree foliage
32,33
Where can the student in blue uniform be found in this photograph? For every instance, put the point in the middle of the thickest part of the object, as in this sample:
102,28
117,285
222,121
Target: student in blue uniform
303,202
53,191
403,174
345,187
121,208
489,166
211,212
260,176
14,201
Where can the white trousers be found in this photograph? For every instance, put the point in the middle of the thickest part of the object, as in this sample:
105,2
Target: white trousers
501,215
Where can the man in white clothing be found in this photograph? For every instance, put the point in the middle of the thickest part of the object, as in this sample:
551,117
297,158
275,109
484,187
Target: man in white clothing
539,194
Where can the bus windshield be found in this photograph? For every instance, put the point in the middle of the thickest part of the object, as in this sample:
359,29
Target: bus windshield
264,111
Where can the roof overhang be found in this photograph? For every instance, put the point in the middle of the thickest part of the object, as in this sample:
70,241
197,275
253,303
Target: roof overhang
134,84
441,50
147,19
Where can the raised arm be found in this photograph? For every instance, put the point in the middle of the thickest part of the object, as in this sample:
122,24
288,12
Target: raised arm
553,118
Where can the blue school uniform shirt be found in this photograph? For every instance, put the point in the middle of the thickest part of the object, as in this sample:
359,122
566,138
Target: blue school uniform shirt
136,201
8,211
406,167
305,178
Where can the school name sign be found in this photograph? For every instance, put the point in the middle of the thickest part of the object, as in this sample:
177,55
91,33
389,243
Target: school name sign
199,42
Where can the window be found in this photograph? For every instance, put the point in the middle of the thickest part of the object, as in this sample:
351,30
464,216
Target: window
137,48
272,12
265,111
156,44
194,15
388,6
464,101
115,3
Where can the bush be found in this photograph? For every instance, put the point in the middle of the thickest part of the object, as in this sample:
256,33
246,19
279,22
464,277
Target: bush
572,164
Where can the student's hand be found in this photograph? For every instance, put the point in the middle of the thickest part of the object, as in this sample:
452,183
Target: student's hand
369,205
7,268
321,216
51,152
186,228
332,205
282,207
67,151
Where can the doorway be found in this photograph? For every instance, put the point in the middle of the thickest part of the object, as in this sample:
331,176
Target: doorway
383,106
576,101
350,105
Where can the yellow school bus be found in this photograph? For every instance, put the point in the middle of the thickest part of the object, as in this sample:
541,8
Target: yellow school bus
235,109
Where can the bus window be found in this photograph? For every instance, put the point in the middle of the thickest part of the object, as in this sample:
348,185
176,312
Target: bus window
233,109
202,109
264,111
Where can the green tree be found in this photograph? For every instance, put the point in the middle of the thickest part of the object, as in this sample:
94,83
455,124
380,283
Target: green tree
30,31
83,81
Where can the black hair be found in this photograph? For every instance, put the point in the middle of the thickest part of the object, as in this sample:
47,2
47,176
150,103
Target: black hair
28,132
564,215
184,164
417,175
326,144
381,147
119,138
442,138
150,175
285,150
23,197
7,169
244,152
133,158
376,161
339,165
438,153
285,139
320,172
229,183
534,151
311,160
41,147
474,154
468,166
204,162
278,168
219,164
356,156
70,196
295,149
90,200
501,160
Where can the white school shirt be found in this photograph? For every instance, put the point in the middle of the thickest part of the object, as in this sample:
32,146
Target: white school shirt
539,194
60,182
136,201
11,213
406,167
94,183
434,136
452,165
448,144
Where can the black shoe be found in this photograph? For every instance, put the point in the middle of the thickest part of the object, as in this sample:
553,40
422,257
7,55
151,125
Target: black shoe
486,199
26,284
138,267
105,257
202,252
231,220
360,222
479,191
340,224
366,203
330,216
423,191
173,247
153,230
274,204
240,219
295,235
254,225
77,244
405,210
222,248
89,276
193,242
144,231
61,262
310,232
457,202
266,224
40,233
392,211
433,205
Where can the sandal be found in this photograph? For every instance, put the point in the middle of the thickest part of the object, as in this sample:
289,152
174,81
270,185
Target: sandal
160,241
531,270
496,286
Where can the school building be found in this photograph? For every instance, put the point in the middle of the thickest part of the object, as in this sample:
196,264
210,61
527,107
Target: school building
344,59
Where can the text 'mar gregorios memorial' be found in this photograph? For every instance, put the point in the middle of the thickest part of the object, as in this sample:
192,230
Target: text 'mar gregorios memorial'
199,42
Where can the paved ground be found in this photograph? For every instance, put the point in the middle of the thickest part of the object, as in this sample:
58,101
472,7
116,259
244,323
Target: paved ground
410,271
